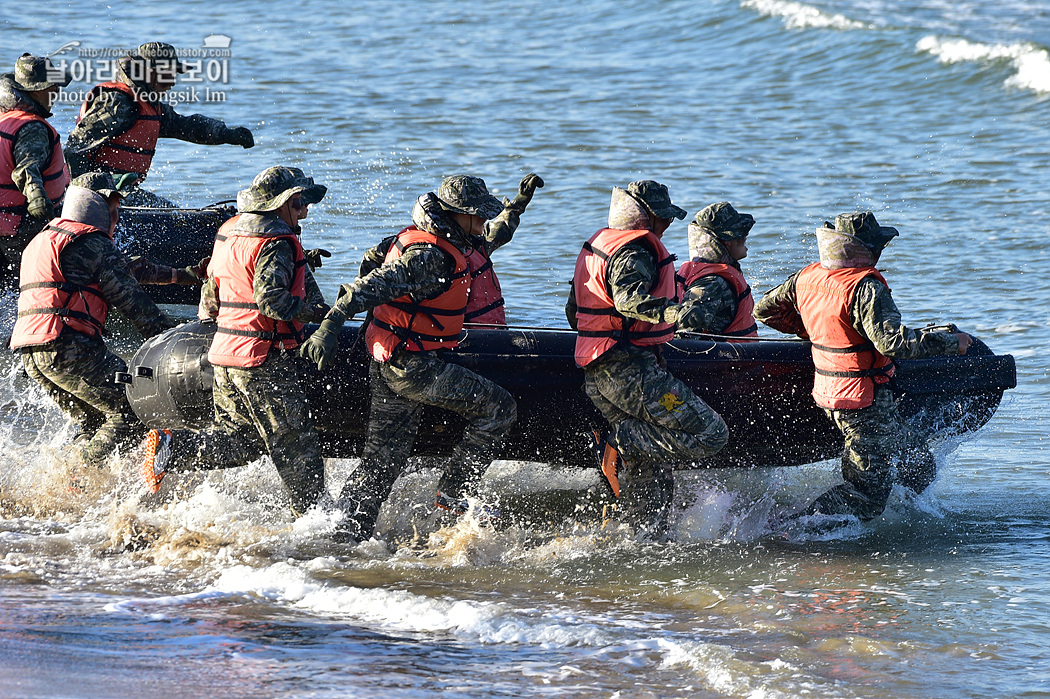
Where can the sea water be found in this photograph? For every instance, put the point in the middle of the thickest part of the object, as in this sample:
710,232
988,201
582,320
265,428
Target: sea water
932,114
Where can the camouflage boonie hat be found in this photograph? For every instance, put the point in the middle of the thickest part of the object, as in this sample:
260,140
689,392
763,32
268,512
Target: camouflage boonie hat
724,222
272,187
101,182
158,52
34,73
463,194
863,226
655,198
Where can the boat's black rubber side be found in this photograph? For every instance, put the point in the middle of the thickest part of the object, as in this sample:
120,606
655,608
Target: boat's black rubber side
761,389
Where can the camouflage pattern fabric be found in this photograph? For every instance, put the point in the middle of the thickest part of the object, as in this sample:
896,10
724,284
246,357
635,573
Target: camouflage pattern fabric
656,423
712,302
465,194
261,410
110,117
95,258
498,231
418,273
722,221
400,389
712,298
878,446
77,372
274,273
873,314
631,273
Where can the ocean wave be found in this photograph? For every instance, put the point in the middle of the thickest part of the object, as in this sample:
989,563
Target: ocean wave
797,15
1032,63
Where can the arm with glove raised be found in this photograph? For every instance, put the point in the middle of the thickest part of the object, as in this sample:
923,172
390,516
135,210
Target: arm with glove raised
500,230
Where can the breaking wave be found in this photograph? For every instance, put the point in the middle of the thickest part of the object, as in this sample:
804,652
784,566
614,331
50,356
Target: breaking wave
797,15
1031,63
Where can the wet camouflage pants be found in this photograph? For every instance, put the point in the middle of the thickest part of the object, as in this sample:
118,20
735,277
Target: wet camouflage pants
400,389
656,422
261,410
77,372
879,444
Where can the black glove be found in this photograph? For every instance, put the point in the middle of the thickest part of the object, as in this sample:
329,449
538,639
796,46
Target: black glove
320,347
240,136
39,206
194,275
313,257
526,188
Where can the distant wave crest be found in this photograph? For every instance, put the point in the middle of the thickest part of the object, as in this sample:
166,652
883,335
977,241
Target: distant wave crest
1031,62
797,15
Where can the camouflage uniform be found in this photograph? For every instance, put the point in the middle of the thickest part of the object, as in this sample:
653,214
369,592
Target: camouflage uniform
113,116
264,409
77,370
32,152
656,421
879,444
712,298
410,380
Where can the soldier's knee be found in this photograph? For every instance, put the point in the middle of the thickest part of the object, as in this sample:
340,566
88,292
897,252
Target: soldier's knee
717,433
505,412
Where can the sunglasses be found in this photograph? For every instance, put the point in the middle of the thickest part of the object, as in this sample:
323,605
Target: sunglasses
298,203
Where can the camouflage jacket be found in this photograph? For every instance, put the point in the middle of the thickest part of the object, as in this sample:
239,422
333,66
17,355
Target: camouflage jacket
113,116
32,147
95,259
499,231
422,272
632,271
715,302
872,313
271,288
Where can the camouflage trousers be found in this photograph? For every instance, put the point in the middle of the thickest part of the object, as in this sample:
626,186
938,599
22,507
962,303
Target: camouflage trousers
400,389
260,410
879,447
77,372
656,423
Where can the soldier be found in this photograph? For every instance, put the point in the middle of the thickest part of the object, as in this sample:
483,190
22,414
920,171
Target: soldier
712,277
418,297
260,291
120,121
71,274
624,306
843,306
33,173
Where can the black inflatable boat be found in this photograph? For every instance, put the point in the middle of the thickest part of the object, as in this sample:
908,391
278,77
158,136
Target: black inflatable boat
761,389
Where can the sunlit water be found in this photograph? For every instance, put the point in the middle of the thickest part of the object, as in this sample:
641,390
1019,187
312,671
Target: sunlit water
931,113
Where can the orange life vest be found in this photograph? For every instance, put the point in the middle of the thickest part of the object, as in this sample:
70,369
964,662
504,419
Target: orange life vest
133,150
743,324
47,302
600,327
430,324
485,303
55,172
847,364
243,335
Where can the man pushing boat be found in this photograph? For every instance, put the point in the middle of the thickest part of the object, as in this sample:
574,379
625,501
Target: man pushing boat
418,297
624,306
843,306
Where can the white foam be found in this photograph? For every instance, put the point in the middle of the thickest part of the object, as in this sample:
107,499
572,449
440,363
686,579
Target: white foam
797,15
1032,63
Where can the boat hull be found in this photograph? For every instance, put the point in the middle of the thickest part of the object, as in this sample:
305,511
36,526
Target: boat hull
761,389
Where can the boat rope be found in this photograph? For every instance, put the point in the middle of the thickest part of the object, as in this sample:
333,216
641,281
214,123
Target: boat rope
679,334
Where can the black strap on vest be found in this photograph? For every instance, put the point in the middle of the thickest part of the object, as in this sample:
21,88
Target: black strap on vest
482,269
404,334
742,333
68,287
467,317
131,149
859,374
852,349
